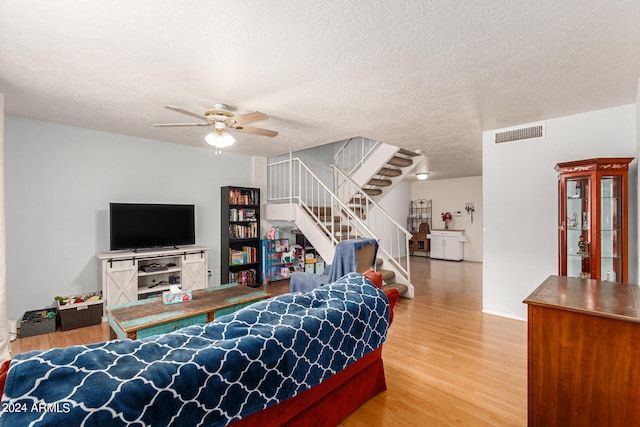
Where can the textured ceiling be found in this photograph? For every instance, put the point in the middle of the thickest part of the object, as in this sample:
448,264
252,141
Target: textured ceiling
422,75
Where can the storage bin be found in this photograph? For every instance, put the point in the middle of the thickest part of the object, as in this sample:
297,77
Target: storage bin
79,315
32,323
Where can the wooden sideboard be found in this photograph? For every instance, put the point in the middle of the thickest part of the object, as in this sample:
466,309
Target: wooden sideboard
583,353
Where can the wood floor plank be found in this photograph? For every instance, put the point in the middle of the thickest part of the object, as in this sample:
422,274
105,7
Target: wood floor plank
446,363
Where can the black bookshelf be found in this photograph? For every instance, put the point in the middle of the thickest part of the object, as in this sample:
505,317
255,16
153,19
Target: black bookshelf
240,235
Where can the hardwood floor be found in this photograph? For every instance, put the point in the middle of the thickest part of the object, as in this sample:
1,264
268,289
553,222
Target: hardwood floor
446,363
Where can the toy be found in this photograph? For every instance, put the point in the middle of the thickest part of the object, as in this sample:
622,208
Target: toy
289,256
271,235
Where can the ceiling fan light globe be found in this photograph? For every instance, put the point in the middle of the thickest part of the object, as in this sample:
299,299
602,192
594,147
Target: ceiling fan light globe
219,139
422,175
228,139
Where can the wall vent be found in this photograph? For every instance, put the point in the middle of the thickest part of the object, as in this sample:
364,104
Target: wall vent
520,134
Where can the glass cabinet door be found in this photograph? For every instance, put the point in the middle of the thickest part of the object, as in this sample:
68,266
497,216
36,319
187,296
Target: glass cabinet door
578,224
611,228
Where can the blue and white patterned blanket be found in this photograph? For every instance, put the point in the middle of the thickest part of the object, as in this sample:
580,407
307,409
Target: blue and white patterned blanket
210,374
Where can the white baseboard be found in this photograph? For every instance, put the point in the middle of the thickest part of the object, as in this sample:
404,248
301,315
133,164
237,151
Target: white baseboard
503,314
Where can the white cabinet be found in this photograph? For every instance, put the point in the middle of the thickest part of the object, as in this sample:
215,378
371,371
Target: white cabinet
447,244
128,276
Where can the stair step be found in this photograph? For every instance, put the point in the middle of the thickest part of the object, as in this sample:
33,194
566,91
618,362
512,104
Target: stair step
401,287
355,209
337,228
380,182
372,191
340,238
321,210
359,212
358,199
387,275
328,219
408,152
323,213
389,172
400,162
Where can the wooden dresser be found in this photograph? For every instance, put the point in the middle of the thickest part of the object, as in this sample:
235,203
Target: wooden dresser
583,353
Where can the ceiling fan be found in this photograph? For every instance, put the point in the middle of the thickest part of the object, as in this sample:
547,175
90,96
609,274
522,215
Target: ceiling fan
221,118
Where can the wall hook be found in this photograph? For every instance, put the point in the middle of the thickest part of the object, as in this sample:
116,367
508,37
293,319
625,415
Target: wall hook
470,208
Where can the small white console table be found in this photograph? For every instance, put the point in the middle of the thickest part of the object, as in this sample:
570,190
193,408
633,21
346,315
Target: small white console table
447,244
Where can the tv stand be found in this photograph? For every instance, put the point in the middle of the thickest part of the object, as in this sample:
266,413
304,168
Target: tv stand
124,278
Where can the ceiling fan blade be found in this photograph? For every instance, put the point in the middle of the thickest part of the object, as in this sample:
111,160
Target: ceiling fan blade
250,118
256,131
180,124
183,111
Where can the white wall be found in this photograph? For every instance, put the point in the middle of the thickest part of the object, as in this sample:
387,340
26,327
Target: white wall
318,159
5,347
521,202
396,202
60,181
450,195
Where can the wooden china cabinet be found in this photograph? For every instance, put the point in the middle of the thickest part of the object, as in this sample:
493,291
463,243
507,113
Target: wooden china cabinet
593,204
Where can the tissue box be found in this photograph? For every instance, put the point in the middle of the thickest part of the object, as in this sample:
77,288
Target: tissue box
176,297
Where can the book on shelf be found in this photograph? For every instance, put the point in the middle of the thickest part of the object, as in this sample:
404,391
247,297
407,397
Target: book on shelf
240,231
248,255
251,254
248,214
237,257
243,197
244,277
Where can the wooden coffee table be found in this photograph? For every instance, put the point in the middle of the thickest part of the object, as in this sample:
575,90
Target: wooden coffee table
143,318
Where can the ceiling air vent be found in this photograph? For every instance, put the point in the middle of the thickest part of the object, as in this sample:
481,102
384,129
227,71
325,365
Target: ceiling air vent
520,134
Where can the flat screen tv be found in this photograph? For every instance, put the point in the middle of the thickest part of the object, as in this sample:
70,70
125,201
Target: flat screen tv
146,225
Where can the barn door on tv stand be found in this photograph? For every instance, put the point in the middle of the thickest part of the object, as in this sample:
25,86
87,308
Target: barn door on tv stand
121,282
194,271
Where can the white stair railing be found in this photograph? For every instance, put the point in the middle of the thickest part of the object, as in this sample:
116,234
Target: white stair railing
353,153
393,238
291,181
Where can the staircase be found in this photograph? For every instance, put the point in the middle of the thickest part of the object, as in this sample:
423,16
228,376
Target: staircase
374,166
343,232
295,194
389,278
364,207
359,187
383,179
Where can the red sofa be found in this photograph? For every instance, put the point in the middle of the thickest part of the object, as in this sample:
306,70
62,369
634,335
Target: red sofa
330,401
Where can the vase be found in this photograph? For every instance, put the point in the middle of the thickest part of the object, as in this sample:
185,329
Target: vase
446,226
